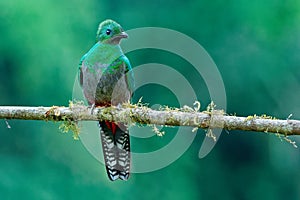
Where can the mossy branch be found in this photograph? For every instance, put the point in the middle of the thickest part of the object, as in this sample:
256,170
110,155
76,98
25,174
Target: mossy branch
131,114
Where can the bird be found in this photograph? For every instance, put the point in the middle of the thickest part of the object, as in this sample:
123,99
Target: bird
106,79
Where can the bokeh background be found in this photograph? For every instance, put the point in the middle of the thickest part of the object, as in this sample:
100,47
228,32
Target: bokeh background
256,46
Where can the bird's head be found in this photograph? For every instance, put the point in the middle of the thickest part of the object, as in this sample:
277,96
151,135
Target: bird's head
110,32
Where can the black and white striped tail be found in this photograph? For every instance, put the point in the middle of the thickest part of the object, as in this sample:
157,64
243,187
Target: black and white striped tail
116,151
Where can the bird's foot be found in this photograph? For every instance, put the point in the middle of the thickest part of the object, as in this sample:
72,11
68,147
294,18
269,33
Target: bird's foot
92,108
119,105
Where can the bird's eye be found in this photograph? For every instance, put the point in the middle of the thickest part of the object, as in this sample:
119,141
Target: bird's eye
108,31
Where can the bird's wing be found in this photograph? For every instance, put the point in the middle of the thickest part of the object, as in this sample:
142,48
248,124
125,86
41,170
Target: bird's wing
83,59
80,74
128,73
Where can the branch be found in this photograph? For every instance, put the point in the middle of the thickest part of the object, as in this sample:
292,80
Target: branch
144,115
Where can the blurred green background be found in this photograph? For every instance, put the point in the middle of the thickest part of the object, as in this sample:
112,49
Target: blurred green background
256,46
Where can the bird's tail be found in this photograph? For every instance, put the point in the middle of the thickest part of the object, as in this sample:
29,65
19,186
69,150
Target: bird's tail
116,149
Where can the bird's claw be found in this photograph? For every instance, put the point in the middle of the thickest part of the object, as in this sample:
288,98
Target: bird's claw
92,108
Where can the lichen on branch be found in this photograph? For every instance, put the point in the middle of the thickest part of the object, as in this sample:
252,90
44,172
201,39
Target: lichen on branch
142,114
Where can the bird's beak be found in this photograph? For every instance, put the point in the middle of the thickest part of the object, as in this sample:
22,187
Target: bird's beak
117,38
123,35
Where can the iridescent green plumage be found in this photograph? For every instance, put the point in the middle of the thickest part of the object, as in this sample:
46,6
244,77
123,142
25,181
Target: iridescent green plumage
106,79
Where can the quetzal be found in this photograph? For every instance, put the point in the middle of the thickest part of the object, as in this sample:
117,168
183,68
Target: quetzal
106,78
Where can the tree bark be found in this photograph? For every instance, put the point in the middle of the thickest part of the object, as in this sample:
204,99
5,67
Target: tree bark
140,114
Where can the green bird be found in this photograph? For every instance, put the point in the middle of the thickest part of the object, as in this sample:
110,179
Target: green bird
106,78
